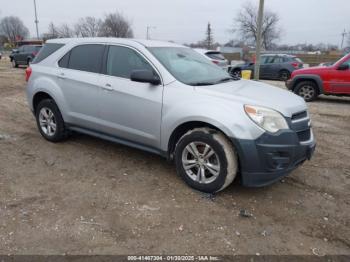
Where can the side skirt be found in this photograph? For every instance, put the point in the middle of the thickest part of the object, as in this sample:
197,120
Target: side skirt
117,140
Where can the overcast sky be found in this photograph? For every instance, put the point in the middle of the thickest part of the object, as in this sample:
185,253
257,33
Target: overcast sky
184,21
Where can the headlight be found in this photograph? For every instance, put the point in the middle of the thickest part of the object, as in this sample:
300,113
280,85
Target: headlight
266,118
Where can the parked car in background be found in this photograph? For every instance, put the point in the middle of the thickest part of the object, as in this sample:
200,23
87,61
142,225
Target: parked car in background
311,82
168,99
274,66
12,53
24,55
215,56
326,64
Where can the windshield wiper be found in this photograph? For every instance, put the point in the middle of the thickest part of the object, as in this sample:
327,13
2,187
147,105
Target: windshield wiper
202,84
226,79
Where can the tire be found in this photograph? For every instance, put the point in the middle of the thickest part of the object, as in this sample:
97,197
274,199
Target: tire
284,75
220,157
14,64
59,133
29,60
307,90
236,73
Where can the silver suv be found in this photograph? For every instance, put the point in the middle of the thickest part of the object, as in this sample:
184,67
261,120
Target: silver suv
169,100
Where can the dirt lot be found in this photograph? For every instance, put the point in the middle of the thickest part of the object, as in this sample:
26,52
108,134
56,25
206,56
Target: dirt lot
88,196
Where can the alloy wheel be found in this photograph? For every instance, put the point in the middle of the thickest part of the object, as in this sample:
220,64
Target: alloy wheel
200,162
307,92
47,121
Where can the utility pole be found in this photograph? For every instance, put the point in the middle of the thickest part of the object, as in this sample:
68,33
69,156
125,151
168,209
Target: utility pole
148,31
258,40
36,21
342,39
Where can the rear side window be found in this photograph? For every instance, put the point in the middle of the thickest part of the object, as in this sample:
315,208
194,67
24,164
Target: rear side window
278,60
45,51
64,61
215,55
86,58
122,61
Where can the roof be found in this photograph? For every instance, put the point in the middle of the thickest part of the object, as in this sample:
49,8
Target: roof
146,43
278,55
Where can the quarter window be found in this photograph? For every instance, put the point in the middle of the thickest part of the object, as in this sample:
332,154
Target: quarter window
85,58
122,61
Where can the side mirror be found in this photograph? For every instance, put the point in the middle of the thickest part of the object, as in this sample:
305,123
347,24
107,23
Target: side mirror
343,67
144,76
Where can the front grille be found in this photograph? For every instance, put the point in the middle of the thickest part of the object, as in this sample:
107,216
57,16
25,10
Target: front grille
299,115
300,123
304,135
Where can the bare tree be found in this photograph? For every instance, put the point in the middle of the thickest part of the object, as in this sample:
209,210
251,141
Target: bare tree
13,28
51,33
88,27
64,31
61,31
246,25
116,25
209,40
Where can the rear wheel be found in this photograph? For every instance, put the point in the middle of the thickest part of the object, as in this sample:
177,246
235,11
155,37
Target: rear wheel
236,73
206,160
307,90
50,121
284,75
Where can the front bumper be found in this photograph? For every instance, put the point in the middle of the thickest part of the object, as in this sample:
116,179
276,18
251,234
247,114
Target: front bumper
289,84
271,157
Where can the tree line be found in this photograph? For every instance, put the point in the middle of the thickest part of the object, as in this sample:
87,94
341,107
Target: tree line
112,25
243,30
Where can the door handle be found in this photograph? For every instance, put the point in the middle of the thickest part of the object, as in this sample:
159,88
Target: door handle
61,76
107,87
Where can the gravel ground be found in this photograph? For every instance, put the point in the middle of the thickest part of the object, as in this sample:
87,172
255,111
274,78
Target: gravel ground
88,196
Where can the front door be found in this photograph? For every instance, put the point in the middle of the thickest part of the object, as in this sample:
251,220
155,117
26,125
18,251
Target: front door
129,110
339,80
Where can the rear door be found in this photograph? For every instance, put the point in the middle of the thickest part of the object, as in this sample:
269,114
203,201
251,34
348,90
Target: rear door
130,110
79,77
265,67
19,57
339,80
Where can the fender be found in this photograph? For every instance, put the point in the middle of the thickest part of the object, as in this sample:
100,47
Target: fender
296,79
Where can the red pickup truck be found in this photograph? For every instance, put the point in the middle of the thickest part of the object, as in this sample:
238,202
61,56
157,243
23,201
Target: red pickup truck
311,82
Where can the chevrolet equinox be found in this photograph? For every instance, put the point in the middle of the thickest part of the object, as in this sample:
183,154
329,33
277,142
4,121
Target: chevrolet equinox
167,99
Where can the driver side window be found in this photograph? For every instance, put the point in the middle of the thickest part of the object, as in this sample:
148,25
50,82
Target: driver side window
122,61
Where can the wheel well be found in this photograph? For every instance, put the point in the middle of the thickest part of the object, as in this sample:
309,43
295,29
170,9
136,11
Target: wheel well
183,129
38,98
298,81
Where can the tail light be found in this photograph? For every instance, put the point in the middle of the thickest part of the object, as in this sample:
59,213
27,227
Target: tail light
295,64
28,73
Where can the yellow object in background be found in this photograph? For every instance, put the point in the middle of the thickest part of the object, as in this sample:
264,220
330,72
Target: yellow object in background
246,74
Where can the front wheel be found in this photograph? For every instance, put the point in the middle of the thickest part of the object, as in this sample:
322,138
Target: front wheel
205,160
307,90
14,64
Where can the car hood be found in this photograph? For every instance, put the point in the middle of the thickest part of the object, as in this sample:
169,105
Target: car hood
257,93
311,70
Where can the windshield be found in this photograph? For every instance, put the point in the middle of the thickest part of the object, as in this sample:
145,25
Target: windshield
189,67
